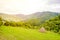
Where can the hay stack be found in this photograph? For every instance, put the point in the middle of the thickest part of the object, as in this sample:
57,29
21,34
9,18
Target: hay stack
42,29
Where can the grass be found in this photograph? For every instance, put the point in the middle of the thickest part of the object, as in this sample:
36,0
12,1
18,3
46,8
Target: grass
18,33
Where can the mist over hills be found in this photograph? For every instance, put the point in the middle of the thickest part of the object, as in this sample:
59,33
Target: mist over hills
22,16
42,16
37,15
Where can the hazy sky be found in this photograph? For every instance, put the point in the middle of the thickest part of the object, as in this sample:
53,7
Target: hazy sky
28,6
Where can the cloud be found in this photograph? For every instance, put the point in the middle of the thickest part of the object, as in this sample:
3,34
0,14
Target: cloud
28,6
22,6
54,5
54,1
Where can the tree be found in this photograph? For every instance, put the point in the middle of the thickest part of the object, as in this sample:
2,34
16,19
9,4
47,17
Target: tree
6,23
1,21
53,24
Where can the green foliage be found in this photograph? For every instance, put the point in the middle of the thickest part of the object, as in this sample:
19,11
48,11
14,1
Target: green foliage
12,24
1,21
53,24
6,23
33,23
20,23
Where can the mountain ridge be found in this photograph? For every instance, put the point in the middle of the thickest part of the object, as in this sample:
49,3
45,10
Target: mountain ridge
37,15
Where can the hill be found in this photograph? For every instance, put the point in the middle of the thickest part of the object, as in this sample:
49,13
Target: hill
9,17
38,15
41,16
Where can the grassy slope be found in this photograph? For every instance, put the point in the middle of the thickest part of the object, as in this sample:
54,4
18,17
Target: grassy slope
16,33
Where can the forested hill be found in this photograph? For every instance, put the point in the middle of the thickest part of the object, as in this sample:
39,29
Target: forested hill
43,15
40,17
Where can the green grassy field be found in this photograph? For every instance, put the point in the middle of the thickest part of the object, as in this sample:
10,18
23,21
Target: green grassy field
18,33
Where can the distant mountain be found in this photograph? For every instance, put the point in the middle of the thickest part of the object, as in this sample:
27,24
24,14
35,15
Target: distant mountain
22,16
38,15
41,16
9,17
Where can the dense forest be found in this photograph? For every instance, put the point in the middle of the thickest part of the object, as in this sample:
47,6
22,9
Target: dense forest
53,24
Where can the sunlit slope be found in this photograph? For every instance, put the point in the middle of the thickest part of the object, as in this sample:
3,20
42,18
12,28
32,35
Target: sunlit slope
17,33
9,17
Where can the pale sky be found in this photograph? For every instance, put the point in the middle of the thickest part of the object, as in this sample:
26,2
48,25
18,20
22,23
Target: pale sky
28,6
